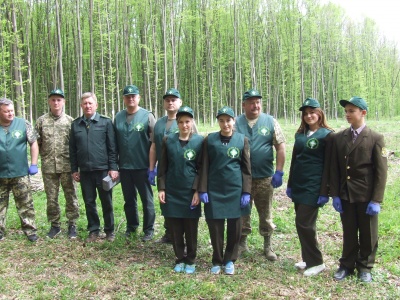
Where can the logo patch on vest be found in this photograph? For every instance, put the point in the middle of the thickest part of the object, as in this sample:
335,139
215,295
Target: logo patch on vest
138,127
17,134
189,154
264,131
312,143
233,152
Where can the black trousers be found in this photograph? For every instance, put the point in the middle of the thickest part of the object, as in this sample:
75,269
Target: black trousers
90,182
184,230
306,219
217,230
360,237
132,182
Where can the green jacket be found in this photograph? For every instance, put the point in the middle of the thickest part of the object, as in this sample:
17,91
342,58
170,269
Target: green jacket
93,147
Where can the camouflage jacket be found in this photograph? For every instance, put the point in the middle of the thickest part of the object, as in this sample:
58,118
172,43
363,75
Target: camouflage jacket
54,142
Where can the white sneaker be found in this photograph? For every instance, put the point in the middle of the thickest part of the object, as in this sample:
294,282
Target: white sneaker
314,270
301,265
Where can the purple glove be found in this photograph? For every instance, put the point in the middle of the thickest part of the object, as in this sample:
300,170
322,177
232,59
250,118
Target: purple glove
373,209
289,192
33,169
244,200
203,197
152,176
337,204
322,200
277,179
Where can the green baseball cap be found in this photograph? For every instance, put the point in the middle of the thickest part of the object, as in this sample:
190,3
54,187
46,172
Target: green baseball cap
131,90
310,102
58,92
185,110
250,94
355,100
226,110
172,92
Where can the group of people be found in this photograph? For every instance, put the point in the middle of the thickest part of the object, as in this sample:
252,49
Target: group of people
227,172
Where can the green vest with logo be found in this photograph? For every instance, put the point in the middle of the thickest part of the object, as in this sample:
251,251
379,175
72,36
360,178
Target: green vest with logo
13,150
133,140
260,141
224,177
308,166
160,131
181,172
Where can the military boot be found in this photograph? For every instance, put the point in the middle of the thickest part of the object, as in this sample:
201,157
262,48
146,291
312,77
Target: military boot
269,254
243,245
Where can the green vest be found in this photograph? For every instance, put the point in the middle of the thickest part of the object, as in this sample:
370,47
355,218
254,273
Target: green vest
260,141
160,132
308,166
13,150
133,140
181,172
224,177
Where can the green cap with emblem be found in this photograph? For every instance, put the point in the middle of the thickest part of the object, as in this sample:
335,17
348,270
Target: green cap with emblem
355,100
226,110
131,90
57,92
185,110
310,102
172,92
250,94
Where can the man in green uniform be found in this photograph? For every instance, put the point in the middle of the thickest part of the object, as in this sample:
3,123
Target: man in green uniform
14,170
93,155
263,132
134,128
54,129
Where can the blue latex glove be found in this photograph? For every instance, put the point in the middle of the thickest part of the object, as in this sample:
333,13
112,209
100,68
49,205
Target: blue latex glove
322,200
244,200
203,197
277,179
152,176
289,192
33,169
373,209
337,204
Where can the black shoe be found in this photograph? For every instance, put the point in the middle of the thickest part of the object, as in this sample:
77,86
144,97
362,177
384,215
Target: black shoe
54,231
72,232
128,233
147,237
1,236
93,236
32,238
165,239
342,273
110,236
365,276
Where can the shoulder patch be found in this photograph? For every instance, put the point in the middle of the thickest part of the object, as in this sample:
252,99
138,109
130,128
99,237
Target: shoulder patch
385,152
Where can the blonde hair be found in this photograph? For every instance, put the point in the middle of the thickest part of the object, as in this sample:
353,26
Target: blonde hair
88,95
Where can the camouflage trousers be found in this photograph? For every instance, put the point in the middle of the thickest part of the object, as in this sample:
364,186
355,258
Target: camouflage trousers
262,193
21,189
51,183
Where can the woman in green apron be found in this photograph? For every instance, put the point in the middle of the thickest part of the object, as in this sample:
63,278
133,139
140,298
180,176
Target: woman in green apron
308,181
224,187
177,193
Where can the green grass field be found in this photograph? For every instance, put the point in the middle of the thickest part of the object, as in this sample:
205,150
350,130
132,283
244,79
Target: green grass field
63,269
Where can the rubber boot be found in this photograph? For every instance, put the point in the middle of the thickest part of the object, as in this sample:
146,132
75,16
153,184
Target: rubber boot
269,254
243,245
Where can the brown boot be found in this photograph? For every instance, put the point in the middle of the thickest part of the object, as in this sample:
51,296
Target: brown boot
269,254
243,245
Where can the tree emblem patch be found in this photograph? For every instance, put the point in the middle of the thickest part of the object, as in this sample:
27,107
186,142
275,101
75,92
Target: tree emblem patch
17,134
233,152
189,154
138,127
312,143
264,131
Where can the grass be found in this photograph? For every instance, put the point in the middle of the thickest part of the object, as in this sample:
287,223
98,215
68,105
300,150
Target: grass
63,269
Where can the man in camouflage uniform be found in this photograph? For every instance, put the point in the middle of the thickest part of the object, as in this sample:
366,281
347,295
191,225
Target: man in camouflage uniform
263,132
14,170
54,130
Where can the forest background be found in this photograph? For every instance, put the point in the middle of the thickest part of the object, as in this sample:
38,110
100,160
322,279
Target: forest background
211,50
